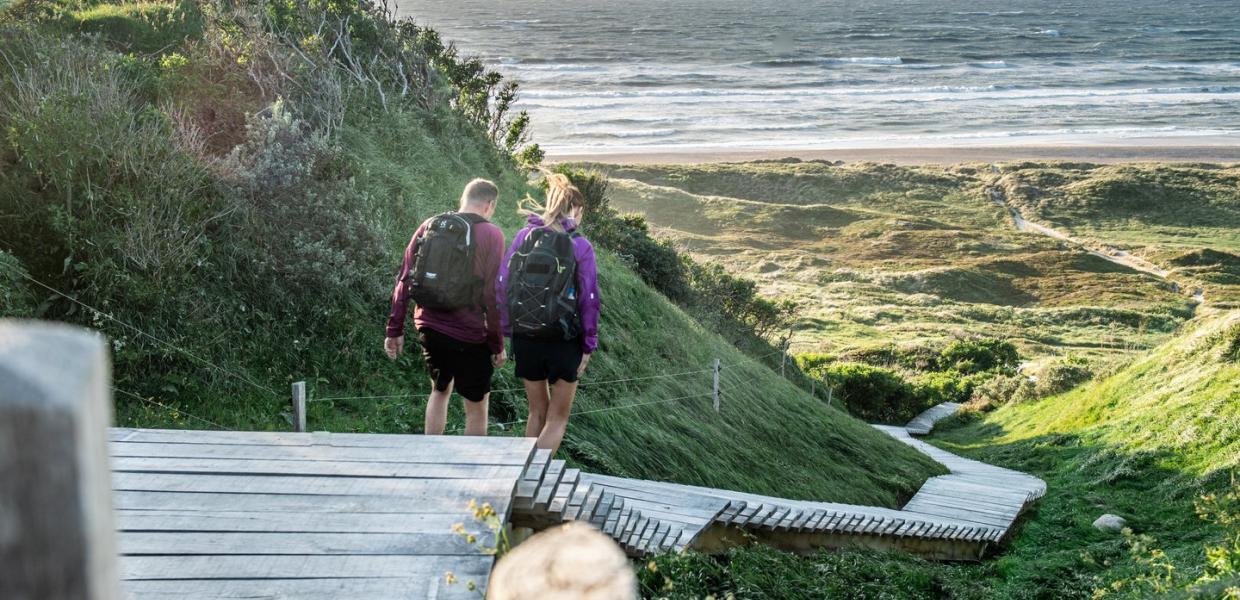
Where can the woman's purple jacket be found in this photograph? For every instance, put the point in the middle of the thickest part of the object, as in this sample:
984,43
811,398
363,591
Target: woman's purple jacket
587,282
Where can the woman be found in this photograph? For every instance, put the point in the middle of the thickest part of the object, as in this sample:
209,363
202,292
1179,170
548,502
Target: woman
548,304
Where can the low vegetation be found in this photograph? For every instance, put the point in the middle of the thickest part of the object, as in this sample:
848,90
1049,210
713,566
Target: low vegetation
874,253
227,203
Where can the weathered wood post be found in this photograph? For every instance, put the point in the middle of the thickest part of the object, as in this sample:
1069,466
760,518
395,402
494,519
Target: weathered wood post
299,406
717,366
56,525
783,357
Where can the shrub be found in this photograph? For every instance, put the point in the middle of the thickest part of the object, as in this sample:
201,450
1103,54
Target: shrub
978,355
1000,390
873,394
15,298
1062,375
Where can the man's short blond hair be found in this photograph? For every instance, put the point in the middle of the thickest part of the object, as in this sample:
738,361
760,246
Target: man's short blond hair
479,192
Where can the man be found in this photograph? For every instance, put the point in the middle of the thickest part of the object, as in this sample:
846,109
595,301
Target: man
460,338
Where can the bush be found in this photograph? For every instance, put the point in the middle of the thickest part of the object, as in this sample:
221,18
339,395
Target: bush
1063,375
15,297
978,355
873,394
1000,390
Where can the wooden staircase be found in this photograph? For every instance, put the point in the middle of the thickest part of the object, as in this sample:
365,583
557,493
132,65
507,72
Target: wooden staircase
958,516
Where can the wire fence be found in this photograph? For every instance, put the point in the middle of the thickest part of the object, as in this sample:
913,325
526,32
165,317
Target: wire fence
717,392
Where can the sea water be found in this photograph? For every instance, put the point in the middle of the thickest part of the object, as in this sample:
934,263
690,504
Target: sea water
625,75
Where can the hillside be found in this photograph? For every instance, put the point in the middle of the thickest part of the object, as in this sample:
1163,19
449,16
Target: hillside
1157,442
231,221
878,253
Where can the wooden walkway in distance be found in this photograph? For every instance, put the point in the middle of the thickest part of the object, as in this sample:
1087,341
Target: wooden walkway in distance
317,516
958,516
311,516
923,424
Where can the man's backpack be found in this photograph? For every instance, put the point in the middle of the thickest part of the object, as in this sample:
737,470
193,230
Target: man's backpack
442,276
542,287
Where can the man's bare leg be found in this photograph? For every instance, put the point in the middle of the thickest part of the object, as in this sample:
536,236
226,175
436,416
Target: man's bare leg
539,397
476,416
437,410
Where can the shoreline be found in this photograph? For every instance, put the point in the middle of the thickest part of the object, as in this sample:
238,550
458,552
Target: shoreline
942,155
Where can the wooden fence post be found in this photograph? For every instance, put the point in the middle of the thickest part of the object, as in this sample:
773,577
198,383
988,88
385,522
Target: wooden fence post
299,406
717,385
57,535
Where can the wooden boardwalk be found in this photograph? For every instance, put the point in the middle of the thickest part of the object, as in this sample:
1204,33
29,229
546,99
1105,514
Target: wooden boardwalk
953,517
205,514
923,424
309,516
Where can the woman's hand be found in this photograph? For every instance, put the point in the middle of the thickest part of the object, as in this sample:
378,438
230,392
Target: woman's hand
585,360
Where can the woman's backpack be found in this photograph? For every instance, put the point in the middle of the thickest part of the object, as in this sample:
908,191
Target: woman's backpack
442,276
542,287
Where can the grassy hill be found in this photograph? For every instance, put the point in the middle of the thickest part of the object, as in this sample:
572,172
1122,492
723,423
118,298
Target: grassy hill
878,253
1156,442
231,221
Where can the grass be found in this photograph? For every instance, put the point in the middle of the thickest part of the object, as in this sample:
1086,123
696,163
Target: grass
1144,443
916,254
253,307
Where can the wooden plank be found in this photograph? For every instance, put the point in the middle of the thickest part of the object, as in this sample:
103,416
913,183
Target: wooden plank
413,443
222,543
296,567
226,466
495,456
325,522
300,485
387,588
428,499
547,487
992,510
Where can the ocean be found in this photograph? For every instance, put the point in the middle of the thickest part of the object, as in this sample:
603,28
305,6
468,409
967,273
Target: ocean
692,75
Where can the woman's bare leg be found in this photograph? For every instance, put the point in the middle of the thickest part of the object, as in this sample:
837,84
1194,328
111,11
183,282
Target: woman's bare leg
562,394
539,397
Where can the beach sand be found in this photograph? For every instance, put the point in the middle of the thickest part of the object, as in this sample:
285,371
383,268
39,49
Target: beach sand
1171,152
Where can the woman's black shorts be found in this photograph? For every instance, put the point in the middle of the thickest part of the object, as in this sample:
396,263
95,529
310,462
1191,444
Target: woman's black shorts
450,361
549,360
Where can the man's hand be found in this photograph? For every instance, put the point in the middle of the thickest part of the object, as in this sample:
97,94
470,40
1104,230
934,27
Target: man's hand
498,360
393,346
585,360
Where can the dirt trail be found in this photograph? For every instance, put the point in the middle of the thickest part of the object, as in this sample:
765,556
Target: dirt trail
1115,255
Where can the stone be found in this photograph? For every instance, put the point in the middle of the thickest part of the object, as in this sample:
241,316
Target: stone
1110,522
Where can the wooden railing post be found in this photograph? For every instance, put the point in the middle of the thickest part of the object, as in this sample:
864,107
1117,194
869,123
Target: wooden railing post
717,366
299,406
57,535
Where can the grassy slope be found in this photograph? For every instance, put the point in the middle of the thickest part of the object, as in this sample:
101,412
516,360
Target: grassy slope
883,253
1143,443
406,165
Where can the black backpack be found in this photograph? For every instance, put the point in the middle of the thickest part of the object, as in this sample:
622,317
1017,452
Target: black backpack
542,282
442,276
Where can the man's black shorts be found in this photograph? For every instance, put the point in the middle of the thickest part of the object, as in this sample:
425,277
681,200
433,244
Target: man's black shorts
542,360
453,362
